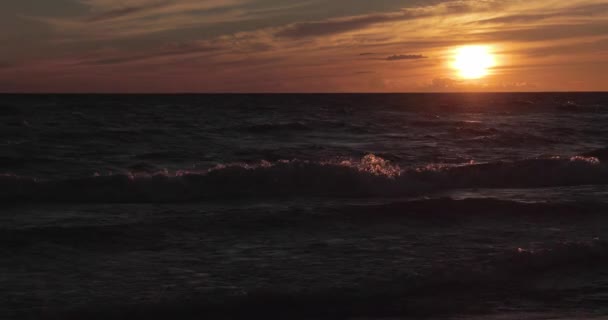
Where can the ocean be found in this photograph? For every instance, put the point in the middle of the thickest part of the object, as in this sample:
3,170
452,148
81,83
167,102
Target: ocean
306,206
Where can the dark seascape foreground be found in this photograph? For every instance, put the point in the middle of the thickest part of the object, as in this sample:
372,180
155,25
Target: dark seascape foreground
465,206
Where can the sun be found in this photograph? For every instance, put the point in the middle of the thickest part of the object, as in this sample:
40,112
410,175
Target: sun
473,62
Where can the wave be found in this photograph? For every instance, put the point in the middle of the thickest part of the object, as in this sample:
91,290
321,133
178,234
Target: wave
368,177
506,138
571,255
436,211
445,207
273,127
515,278
574,106
304,126
601,154
437,122
478,132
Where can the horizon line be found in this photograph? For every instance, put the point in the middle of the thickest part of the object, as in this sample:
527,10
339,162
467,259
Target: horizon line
292,93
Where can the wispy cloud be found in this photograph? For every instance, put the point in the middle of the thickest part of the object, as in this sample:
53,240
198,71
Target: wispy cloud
108,19
581,11
286,54
453,85
577,48
546,32
341,25
112,13
171,51
109,9
405,57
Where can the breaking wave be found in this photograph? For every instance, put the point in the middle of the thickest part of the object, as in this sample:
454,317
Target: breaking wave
368,177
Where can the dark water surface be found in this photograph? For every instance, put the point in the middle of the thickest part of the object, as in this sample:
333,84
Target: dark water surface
304,206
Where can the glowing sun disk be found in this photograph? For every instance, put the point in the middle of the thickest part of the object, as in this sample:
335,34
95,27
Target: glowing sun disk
473,62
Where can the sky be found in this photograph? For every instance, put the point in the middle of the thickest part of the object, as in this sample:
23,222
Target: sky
148,46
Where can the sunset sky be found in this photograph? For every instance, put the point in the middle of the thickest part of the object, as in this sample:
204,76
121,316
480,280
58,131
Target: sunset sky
300,45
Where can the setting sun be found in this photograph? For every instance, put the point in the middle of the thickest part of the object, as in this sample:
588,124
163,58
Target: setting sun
473,62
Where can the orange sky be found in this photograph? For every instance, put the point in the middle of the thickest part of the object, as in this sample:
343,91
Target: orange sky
299,46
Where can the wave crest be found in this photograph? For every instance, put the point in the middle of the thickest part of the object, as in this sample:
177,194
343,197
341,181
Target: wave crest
367,177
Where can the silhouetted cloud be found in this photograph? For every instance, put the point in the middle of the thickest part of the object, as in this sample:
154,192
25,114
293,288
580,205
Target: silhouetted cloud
405,57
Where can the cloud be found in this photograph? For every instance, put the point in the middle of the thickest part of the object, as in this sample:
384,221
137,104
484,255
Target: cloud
341,25
577,48
405,57
452,85
580,11
334,26
546,32
523,18
284,55
104,10
112,14
168,51
110,9
108,19
573,11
